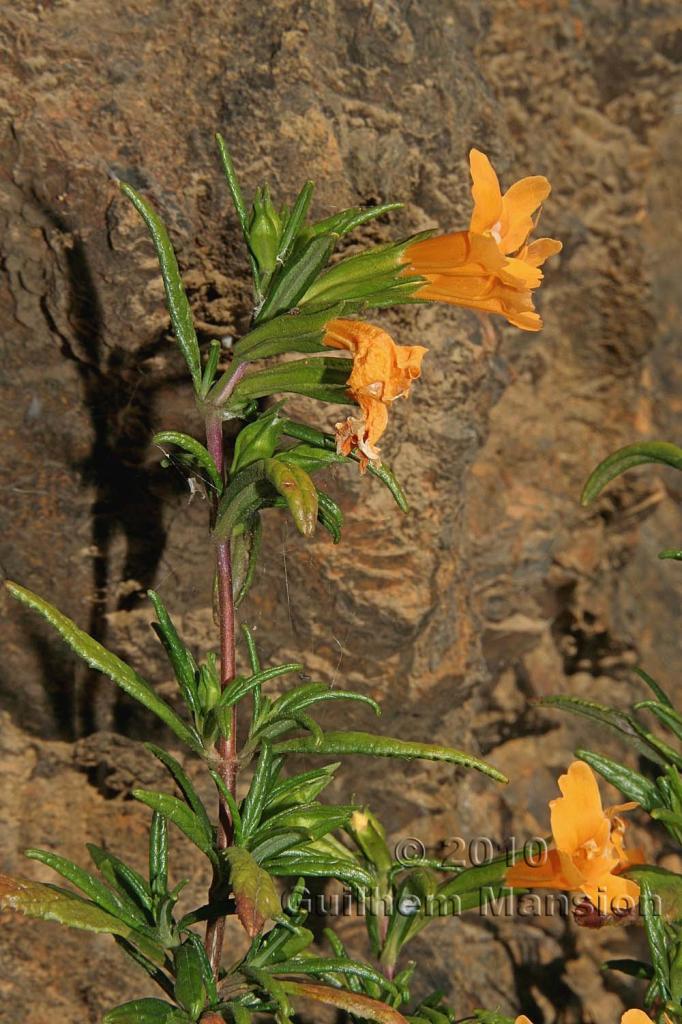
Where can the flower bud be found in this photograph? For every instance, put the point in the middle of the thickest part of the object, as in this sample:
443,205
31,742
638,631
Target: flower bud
265,231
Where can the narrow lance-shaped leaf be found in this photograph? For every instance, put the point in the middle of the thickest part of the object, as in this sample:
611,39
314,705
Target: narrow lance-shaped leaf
182,662
158,855
121,875
633,785
292,281
360,1006
296,221
184,784
146,1011
37,900
119,905
178,306
385,746
661,452
194,448
190,990
181,815
109,664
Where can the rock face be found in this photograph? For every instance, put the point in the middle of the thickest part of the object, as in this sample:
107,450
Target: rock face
498,588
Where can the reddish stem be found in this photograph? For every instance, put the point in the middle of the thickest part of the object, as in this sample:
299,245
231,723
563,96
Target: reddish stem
225,748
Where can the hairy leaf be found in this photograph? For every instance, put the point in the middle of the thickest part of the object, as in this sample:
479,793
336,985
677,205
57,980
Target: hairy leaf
104,661
661,452
254,891
181,815
385,746
146,1011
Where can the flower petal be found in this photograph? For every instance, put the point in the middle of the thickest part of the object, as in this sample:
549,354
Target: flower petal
577,816
520,201
486,193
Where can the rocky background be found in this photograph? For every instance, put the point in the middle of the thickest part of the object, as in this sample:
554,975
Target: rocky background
498,588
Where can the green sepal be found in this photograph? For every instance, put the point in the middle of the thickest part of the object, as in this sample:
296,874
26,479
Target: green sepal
385,746
661,452
146,1011
254,891
310,459
265,229
257,440
298,490
182,816
289,332
374,271
294,279
109,664
176,300
196,450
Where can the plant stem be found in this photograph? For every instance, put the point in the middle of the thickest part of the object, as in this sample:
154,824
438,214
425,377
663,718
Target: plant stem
225,748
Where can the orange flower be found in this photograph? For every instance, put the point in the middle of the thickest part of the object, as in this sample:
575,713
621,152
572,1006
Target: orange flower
490,267
382,371
589,851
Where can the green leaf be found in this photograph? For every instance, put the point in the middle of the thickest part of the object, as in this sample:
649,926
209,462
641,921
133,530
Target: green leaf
348,220
322,377
661,452
330,515
183,664
185,785
257,440
181,815
122,876
204,966
385,746
312,693
633,785
241,686
37,900
119,905
332,965
231,803
665,714
190,990
211,366
246,547
311,459
294,279
104,661
254,801
292,863
656,937
276,843
254,891
233,185
178,306
146,1011
314,820
633,968
360,1006
617,720
295,221
671,553
196,450
658,692
301,788
158,855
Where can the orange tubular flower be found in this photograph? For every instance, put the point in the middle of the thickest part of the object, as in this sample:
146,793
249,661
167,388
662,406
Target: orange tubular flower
382,371
490,267
589,851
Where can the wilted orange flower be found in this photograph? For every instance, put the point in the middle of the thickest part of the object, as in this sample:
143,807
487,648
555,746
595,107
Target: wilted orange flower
382,371
589,851
490,267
